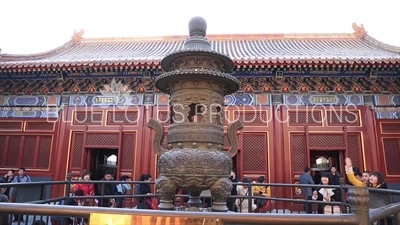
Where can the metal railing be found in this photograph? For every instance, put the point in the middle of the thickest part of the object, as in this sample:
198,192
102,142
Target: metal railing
357,211
224,218
382,208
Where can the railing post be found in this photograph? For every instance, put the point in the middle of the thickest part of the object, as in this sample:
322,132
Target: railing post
397,217
249,197
68,185
359,203
342,193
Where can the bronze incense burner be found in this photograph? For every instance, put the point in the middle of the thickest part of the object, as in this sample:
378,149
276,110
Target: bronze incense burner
197,79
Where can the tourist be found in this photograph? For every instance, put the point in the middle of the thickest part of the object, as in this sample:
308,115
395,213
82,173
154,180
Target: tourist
143,189
230,203
21,178
365,176
122,188
324,194
263,205
9,177
72,202
106,189
88,189
334,179
376,179
4,218
242,204
308,192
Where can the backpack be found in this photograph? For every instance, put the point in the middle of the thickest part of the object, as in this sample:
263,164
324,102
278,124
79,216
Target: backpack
123,189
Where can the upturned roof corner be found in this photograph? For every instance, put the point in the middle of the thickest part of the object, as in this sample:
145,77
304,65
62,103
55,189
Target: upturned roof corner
78,36
359,31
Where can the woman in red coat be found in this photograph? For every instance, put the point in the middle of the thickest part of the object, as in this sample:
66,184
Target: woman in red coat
88,189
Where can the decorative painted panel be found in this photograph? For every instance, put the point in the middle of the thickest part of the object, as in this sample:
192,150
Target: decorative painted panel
105,100
29,112
387,100
30,100
322,99
28,106
305,82
387,112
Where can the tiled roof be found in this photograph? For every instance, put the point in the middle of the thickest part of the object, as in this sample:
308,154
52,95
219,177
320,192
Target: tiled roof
243,49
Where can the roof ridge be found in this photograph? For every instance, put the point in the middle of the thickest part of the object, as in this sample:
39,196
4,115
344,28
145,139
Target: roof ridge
77,40
37,56
223,37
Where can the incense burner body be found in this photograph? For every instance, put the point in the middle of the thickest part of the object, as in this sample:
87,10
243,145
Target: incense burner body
197,80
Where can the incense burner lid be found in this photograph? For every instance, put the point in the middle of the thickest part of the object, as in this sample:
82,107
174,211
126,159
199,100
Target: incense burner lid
197,27
162,82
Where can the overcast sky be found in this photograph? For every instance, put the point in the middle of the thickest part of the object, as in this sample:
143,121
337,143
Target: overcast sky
33,26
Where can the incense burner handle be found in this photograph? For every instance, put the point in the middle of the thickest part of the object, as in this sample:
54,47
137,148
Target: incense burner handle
159,136
232,138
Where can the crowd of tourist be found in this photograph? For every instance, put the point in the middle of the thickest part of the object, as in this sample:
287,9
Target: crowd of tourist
239,204
354,176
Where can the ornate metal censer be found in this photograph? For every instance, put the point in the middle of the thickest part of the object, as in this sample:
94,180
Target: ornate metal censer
197,80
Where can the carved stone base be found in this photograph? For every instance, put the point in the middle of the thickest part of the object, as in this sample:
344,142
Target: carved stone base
166,187
219,207
220,192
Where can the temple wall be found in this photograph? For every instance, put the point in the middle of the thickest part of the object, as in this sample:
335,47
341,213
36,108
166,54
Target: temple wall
388,139
29,143
280,131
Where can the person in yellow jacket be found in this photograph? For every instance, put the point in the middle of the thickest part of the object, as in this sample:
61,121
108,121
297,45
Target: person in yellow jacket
376,179
264,191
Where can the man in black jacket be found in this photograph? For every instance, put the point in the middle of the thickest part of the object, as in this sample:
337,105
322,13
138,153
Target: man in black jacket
4,218
106,189
334,179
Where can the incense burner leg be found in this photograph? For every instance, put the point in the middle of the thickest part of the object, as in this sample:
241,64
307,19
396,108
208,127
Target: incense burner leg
194,200
166,187
220,192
